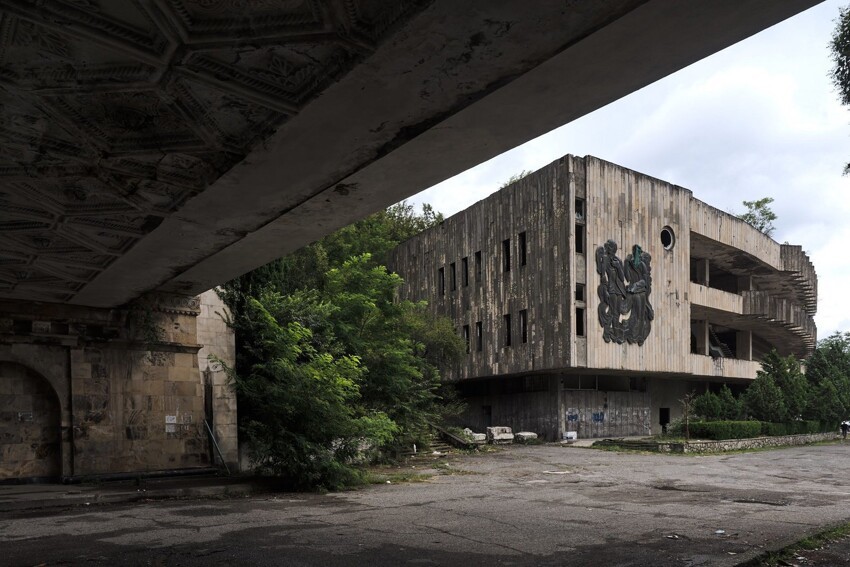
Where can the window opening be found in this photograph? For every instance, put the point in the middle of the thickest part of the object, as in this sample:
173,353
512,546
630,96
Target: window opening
668,238
507,330
506,255
523,325
522,249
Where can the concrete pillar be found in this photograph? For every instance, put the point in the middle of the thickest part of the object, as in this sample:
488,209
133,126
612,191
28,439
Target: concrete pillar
703,271
745,283
744,345
700,329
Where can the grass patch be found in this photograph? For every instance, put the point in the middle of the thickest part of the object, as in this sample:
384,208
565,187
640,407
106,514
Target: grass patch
809,543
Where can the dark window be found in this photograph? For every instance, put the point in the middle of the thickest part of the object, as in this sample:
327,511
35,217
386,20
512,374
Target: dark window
479,337
580,292
522,249
478,266
580,213
579,239
453,275
466,337
668,238
507,330
441,281
506,255
579,322
523,325
464,268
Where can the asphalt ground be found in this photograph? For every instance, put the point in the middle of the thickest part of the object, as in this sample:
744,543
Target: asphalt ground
520,505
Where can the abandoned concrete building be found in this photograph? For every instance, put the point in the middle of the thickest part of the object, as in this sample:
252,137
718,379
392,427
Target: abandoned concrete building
90,392
592,298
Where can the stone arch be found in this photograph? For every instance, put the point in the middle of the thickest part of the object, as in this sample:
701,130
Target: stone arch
30,425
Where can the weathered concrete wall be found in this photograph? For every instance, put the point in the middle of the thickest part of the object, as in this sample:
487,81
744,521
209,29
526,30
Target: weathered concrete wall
599,413
92,391
219,342
506,256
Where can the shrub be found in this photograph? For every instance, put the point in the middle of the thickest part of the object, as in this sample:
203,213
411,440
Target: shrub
719,430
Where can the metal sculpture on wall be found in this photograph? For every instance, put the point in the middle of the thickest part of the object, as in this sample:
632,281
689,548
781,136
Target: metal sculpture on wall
625,312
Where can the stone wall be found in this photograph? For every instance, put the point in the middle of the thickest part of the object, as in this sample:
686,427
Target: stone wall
86,392
219,342
754,443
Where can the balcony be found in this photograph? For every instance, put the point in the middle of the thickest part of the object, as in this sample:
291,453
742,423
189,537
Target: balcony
723,367
777,310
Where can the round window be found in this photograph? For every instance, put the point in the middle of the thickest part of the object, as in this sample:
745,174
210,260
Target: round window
668,239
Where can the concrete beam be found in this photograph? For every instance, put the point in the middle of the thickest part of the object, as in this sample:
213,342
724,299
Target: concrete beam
459,84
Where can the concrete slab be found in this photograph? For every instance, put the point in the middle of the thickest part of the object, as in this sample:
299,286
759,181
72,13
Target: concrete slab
513,505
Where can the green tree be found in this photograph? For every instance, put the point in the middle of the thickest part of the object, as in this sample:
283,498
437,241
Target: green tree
305,421
515,177
828,373
329,308
707,406
840,48
763,399
730,407
790,380
760,215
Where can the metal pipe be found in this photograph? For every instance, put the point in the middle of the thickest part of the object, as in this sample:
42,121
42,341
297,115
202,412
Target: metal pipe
215,443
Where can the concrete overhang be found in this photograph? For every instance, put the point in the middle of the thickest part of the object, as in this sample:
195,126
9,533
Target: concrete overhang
210,171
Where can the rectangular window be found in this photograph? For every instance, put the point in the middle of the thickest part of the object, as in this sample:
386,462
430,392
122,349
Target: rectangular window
522,250
441,281
478,267
580,213
579,322
479,337
507,330
580,292
464,268
523,325
506,255
579,239
466,337
453,275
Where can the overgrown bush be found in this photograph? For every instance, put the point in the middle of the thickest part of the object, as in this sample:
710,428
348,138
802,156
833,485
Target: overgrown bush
725,429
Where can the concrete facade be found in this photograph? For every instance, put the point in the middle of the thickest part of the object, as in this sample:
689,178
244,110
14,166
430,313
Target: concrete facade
87,392
529,276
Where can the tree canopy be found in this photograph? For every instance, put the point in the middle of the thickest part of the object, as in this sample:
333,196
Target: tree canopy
330,365
840,49
760,215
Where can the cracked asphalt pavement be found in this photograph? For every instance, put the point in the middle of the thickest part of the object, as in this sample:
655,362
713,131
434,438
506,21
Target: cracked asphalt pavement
523,505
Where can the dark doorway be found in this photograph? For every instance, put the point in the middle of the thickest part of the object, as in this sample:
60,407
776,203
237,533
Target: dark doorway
29,426
488,416
664,418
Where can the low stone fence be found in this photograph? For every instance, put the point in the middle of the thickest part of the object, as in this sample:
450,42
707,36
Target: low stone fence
743,444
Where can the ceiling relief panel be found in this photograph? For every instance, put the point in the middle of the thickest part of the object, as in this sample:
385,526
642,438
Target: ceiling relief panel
114,114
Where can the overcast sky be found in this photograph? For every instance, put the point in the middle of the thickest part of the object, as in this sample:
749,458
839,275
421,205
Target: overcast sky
759,119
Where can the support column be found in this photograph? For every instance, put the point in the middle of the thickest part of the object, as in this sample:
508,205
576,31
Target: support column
702,272
700,329
744,345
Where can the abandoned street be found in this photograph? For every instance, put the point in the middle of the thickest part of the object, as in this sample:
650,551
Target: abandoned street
535,505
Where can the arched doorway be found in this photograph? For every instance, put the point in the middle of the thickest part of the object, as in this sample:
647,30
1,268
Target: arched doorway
30,437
